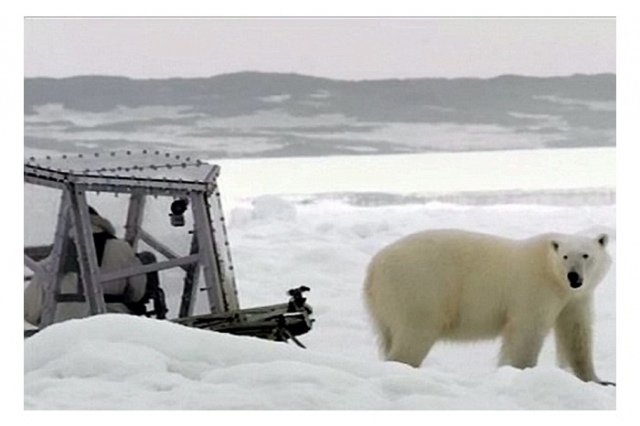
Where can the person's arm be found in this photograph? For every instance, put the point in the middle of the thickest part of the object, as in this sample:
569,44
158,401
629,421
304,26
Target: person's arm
122,255
33,301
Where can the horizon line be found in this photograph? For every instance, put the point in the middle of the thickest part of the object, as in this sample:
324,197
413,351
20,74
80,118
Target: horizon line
297,74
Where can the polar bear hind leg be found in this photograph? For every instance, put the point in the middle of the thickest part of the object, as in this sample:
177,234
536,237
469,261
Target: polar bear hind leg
411,344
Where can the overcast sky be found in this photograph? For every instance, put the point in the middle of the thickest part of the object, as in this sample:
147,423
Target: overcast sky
336,48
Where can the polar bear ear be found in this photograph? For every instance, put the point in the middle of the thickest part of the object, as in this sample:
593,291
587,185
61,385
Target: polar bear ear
603,240
555,245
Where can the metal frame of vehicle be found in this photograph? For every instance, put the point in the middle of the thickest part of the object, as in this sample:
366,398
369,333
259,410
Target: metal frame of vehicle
209,256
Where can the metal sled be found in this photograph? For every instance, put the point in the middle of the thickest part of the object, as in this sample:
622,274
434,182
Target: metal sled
192,185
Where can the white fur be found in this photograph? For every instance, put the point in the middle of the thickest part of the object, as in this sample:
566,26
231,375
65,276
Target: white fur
461,286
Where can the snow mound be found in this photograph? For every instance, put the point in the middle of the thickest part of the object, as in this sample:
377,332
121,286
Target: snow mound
123,362
263,209
270,207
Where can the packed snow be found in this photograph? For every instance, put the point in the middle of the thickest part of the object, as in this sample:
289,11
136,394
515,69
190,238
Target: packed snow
285,237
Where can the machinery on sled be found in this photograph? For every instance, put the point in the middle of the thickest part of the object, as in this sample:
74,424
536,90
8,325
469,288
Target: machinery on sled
191,185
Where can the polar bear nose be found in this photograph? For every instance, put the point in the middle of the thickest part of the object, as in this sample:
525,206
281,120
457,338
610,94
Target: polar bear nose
575,281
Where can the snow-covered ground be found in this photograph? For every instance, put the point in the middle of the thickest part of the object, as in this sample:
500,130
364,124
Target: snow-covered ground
291,237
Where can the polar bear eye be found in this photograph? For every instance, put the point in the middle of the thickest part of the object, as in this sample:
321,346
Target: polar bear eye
585,256
565,257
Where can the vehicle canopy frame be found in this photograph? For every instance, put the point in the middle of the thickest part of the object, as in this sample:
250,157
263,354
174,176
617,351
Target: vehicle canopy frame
190,183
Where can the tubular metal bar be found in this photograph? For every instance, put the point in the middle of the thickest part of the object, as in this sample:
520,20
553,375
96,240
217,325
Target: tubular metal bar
157,245
118,184
212,175
135,215
33,265
221,239
87,258
190,289
156,266
207,251
52,279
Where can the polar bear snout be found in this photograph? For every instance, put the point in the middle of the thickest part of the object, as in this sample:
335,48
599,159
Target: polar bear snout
575,280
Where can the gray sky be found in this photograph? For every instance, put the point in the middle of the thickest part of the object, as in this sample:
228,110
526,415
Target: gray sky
336,48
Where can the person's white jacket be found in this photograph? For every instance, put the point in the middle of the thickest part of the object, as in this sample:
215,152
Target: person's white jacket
117,255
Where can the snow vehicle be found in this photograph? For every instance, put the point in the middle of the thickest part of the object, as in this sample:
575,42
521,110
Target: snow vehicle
191,184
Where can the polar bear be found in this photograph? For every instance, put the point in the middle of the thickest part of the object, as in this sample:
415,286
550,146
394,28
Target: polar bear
460,286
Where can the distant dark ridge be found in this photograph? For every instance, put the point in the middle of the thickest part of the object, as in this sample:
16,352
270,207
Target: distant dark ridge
102,93
432,100
302,77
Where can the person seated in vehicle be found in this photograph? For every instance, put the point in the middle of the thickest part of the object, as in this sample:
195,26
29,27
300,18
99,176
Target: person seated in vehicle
113,254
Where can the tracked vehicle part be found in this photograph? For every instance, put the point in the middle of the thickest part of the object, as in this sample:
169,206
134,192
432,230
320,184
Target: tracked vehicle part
277,322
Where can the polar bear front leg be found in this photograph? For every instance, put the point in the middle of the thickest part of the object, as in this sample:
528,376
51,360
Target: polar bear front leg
574,340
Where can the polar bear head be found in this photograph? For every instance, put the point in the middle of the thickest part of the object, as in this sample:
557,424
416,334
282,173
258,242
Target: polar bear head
580,262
